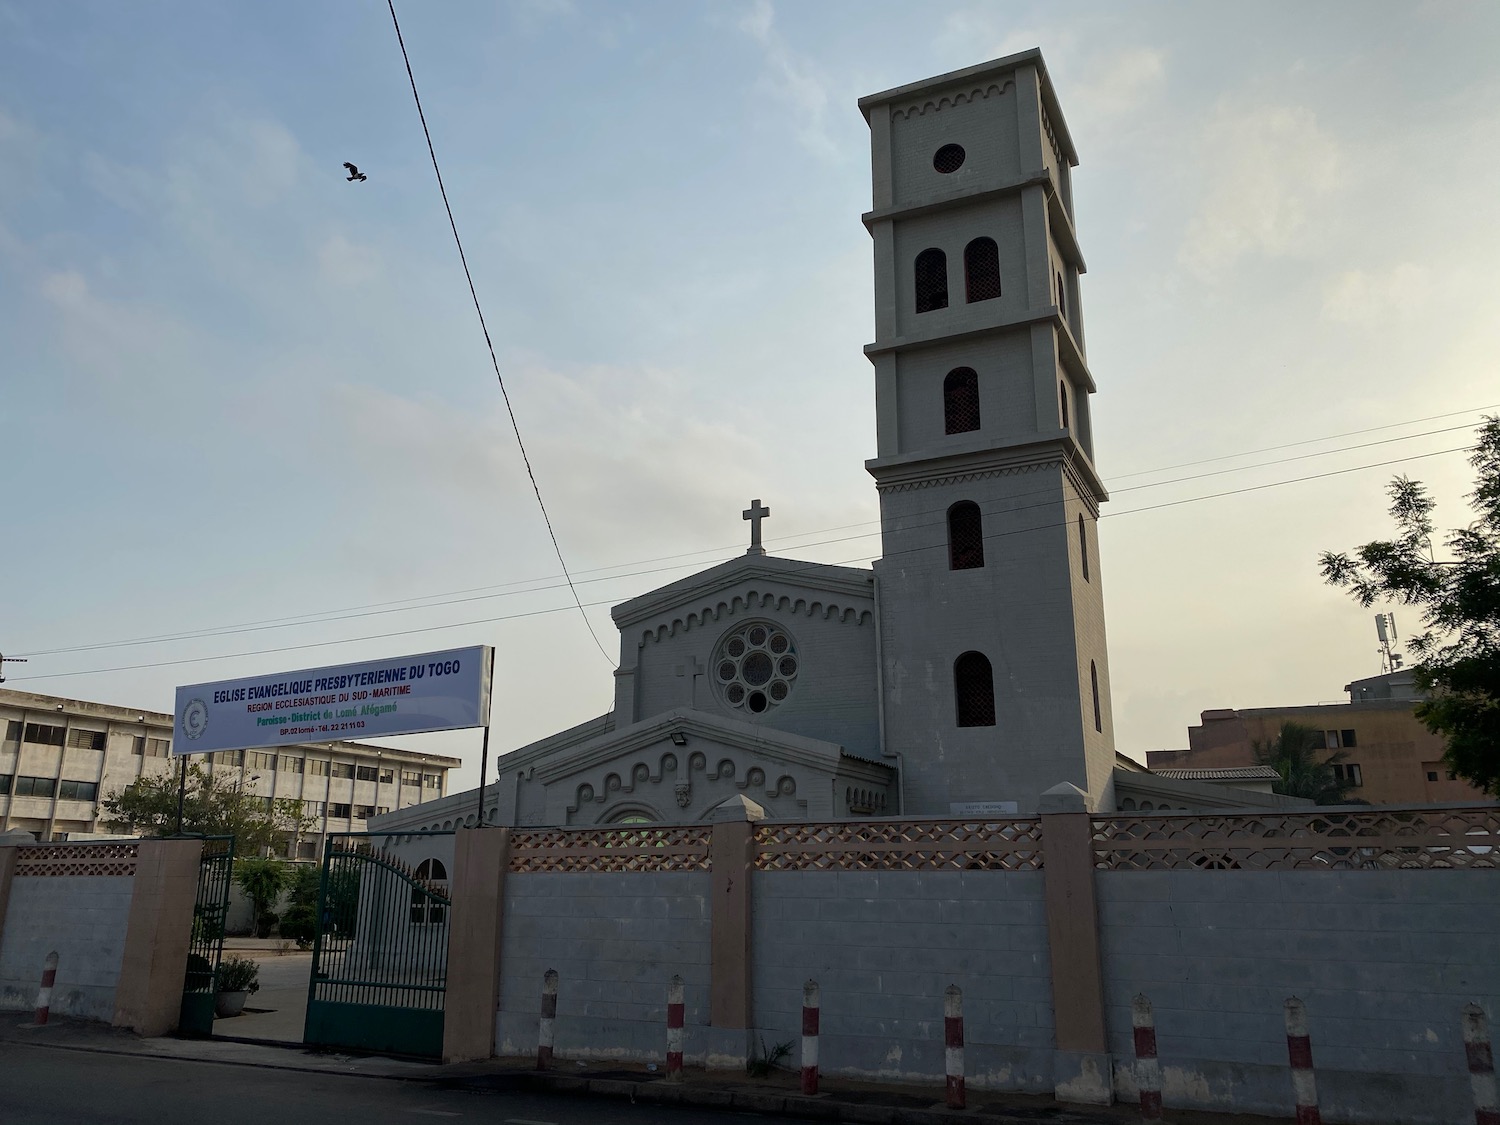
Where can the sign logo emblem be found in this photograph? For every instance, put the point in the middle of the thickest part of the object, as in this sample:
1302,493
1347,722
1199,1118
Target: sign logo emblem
195,718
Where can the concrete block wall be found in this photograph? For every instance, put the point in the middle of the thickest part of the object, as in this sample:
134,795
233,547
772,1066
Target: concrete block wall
81,917
883,946
615,939
1384,960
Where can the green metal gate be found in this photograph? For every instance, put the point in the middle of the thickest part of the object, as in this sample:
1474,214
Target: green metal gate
380,960
210,910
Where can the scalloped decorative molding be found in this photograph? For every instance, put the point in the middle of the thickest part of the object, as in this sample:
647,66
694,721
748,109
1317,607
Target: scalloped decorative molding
978,94
759,601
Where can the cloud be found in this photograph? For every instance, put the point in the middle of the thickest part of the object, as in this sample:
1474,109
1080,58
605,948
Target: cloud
1370,298
1119,82
348,263
1270,169
131,343
792,79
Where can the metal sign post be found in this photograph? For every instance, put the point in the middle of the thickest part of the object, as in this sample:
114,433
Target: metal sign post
484,753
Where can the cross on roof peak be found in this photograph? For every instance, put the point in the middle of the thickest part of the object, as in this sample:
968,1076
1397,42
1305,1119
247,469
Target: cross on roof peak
755,513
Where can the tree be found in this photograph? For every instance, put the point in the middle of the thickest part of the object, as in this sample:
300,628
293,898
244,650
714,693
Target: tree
263,880
213,806
1293,755
299,919
1457,656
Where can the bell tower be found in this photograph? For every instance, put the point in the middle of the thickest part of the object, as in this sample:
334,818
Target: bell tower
994,667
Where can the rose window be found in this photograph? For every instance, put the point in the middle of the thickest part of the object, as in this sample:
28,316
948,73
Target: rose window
755,667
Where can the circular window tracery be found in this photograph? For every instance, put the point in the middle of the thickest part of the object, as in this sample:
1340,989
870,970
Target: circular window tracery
756,666
949,158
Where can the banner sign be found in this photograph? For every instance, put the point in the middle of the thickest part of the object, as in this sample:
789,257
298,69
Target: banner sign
446,690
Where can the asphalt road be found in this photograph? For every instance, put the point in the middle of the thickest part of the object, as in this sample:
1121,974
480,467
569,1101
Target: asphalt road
52,1086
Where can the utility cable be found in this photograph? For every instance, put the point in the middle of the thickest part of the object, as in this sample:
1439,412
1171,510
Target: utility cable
473,293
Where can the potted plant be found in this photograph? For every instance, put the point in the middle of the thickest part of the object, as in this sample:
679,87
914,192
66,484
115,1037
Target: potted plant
238,978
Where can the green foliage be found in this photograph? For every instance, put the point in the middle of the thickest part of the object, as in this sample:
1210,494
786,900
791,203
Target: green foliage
769,1059
299,919
213,806
238,974
1457,655
262,880
1304,772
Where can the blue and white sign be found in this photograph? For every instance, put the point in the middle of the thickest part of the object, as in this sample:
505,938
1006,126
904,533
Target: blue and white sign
447,690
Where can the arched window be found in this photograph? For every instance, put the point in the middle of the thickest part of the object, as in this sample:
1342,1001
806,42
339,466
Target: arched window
961,401
425,910
1083,548
932,280
1062,397
965,536
1062,297
1094,683
974,690
982,270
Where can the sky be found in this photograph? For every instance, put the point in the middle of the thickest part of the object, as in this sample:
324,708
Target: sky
250,423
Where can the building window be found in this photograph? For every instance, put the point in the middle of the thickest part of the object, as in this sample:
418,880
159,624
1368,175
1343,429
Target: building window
426,911
13,730
1083,548
965,536
1432,775
961,401
314,808
974,690
366,773
1350,772
43,734
432,780
262,761
343,769
1062,297
317,766
1347,738
35,786
364,812
949,158
288,764
755,667
932,280
87,739
981,270
4,784
78,791
387,777
339,811
411,777
229,758
138,745
1094,685
1062,398
265,804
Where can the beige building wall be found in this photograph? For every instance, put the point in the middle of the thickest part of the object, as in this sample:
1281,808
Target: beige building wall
60,758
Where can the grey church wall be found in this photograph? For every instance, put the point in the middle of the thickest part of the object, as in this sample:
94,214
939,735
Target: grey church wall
951,231
884,946
1007,394
615,940
989,141
1383,959
80,917
1089,627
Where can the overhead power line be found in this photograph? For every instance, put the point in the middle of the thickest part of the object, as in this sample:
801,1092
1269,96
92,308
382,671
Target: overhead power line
488,343
992,537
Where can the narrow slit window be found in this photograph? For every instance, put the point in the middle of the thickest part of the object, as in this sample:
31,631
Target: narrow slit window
965,536
1062,399
1083,548
1094,683
1062,297
982,270
961,401
974,690
932,280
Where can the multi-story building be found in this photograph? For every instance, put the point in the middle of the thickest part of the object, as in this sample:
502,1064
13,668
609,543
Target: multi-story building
59,759
1391,758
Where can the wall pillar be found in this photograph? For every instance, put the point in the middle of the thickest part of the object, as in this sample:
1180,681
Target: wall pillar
732,859
8,854
1083,1069
477,885
158,934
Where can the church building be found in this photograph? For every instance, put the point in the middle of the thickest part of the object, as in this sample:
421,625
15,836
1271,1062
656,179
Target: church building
966,673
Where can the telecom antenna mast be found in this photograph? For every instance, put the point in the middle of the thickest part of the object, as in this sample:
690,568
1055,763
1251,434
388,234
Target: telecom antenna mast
1385,629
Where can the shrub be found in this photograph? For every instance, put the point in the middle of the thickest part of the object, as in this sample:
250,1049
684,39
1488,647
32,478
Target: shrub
238,974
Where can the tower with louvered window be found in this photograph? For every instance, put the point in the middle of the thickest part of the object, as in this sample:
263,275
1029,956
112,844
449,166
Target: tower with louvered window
994,672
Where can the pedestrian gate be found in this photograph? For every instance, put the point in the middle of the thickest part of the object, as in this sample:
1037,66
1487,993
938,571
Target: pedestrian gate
380,960
210,910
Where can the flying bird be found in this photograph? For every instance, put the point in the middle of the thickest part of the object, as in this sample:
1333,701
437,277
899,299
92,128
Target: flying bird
355,173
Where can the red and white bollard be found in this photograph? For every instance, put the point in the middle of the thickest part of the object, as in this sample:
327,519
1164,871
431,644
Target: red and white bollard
953,1044
810,1038
1481,1060
675,1012
546,1025
1299,1053
1147,1069
44,994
